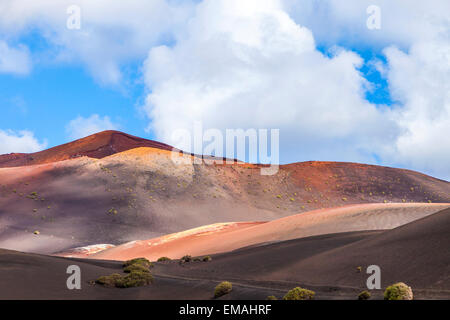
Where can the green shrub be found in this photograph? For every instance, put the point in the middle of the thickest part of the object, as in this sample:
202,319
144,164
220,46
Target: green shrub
135,279
138,261
364,295
138,274
136,267
398,291
271,298
109,281
222,289
186,258
163,259
207,258
299,294
113,211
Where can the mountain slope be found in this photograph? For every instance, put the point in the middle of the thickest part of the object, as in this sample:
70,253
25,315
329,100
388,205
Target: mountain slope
141,193
97,146
222,238
416,253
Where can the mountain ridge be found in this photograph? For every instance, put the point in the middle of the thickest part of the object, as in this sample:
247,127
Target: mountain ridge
98,146
141,193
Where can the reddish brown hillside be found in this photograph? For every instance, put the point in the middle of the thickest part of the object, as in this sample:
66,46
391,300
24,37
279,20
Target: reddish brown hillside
141,193
98,146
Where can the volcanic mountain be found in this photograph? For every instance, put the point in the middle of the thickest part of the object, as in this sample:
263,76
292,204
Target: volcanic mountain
112,196
112,188
96,146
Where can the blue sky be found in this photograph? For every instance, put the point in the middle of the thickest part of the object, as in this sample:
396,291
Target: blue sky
52,95
336,89
47,99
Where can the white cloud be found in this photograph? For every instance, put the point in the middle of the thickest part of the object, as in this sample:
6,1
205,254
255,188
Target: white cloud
418,73
81,127
19,142
403,22
112,33
420,81
252,66
14,60
255,64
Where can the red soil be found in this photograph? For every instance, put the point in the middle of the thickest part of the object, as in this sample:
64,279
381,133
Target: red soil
97,146
231,236
173,245
142,194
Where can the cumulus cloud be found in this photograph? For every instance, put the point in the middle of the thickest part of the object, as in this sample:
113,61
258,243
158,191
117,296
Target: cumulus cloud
402,22
112,33
252,66
81,127
19,142
415,36
14,60
420,82
257,66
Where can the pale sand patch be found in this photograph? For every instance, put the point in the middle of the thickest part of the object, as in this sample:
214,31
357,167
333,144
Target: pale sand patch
230,236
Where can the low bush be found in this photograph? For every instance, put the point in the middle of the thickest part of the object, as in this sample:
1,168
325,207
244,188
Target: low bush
135,279
137,274
109,281
299,294
271,298
136,267
364,295
398,291
163,259
222,289
186,258
206,258
138,261
113,211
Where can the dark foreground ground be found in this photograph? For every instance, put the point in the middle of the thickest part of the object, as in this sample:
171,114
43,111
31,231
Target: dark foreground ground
417,254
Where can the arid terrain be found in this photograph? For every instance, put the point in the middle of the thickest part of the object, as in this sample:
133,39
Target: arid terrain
413,253
111,197
219,238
